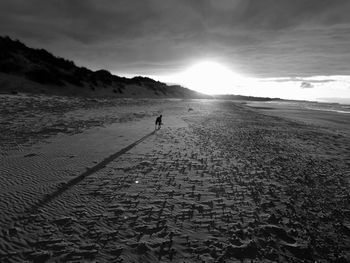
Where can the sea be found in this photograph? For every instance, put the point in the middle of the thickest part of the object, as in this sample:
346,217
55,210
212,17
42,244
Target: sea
318,106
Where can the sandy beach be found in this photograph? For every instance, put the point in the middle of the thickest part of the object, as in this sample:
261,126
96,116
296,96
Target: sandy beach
86,180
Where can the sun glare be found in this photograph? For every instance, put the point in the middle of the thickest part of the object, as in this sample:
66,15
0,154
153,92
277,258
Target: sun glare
210,78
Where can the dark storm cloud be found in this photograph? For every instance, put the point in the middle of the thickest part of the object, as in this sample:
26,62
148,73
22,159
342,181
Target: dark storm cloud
259,37
306,85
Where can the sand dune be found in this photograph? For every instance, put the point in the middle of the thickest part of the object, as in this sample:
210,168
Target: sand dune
219,183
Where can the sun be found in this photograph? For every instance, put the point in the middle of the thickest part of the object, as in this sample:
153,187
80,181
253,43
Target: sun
210,77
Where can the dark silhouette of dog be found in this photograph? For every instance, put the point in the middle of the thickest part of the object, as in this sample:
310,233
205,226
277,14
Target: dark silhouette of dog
158,122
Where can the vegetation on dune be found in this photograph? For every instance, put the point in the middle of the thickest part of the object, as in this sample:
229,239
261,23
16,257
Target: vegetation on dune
40,66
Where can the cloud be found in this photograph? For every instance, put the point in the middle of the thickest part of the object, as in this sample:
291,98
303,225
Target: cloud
297,79
306,85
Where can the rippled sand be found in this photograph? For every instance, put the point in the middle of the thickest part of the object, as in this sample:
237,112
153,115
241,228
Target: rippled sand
220,182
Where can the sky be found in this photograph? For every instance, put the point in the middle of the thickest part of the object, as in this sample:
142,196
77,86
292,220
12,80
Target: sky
297,49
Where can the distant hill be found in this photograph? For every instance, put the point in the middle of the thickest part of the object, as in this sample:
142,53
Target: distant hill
245,98
24,69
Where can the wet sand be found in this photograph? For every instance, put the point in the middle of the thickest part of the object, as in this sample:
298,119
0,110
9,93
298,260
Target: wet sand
220,182
320,118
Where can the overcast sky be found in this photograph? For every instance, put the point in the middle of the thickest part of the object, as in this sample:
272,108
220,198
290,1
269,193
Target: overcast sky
258,38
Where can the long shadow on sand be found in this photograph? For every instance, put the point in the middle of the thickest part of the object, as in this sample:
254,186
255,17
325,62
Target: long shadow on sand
64,187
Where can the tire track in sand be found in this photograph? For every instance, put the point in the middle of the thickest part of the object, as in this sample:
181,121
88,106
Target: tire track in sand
65,186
